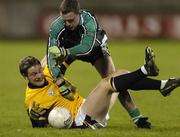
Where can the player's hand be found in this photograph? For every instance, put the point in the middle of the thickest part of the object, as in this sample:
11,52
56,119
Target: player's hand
58,52
66,90
143,123
36,112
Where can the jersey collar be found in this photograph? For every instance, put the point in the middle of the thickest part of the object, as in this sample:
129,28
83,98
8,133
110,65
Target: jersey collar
81,19
30,85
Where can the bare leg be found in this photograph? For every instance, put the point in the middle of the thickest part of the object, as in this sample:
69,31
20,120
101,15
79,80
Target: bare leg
127,101
105,67
98,102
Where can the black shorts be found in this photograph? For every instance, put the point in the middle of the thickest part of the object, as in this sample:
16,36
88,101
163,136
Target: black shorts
95,54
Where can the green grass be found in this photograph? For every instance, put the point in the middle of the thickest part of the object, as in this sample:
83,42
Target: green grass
164,113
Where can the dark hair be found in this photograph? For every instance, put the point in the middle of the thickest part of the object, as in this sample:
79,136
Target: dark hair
26,63
69,6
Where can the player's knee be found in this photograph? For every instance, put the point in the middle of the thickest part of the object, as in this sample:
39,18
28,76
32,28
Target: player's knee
119,72
106,84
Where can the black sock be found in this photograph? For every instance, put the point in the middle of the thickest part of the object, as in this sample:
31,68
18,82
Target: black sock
146,84
125,81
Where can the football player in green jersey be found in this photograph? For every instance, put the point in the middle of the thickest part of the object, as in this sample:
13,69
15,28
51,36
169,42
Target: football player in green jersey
76,35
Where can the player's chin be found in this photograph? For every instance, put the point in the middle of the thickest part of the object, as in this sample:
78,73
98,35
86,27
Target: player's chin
71,28
40,82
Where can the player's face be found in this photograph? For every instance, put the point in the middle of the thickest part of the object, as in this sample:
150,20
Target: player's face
71,20
35,75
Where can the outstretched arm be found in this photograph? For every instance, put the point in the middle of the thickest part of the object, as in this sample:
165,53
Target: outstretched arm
38,115
58,64
68,61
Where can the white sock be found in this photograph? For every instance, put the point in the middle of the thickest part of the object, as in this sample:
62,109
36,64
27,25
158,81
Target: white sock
163,83
113,86
144,70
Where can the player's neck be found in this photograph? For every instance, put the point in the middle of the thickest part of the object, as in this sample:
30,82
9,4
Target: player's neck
32,86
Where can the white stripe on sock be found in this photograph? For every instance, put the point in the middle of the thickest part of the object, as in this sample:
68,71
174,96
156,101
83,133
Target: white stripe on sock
163,83
144,70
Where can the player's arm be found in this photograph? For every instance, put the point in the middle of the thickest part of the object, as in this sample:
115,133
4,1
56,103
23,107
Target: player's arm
63,66
59,65
68,61
88,40
38,115
52,60
38,123
66,89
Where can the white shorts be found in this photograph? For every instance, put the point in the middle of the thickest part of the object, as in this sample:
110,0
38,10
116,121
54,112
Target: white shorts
81,117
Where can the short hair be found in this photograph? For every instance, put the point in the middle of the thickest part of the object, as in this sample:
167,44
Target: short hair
26,63
69,6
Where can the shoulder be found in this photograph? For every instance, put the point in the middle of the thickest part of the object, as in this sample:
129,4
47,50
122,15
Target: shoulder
47,73
88,19
87,14
57,25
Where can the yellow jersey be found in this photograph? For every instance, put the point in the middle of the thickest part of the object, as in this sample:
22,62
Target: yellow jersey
49,96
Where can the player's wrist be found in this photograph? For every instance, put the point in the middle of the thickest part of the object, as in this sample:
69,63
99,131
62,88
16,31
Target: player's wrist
66,90
67,52
55,51
65,64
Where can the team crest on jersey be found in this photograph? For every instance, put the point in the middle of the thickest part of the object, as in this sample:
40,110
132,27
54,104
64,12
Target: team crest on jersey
51,92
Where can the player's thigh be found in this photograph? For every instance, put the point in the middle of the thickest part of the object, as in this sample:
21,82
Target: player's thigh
105,66
98,101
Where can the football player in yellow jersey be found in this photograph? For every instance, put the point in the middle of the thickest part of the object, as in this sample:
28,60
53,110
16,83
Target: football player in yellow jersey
42,93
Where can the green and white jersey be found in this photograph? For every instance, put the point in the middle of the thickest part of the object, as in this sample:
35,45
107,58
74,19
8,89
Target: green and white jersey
80,41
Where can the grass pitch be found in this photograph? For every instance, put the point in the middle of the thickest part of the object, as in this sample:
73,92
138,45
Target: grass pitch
164,113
